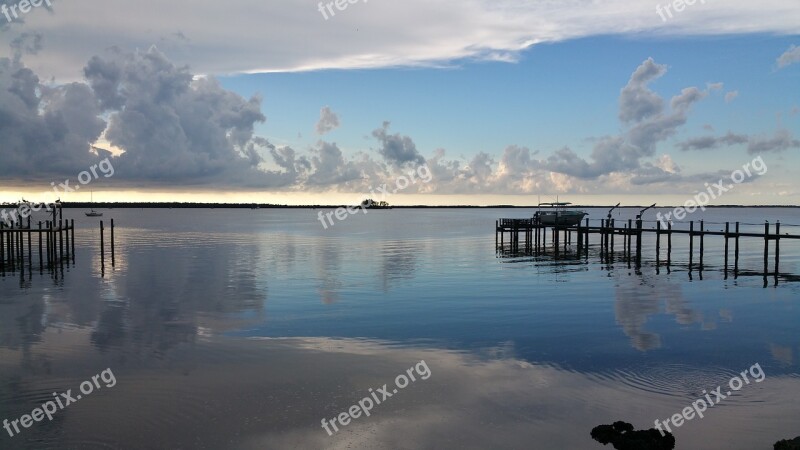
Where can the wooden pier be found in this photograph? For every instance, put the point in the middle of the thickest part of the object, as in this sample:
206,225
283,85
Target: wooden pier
530,236
50,243
55,243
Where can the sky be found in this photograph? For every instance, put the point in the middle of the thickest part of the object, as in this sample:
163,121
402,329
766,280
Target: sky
447,102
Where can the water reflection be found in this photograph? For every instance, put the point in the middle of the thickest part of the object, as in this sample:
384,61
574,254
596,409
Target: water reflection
160,304
526,350
640,297
273,393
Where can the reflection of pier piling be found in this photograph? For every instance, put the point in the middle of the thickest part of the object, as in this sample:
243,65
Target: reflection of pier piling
528,236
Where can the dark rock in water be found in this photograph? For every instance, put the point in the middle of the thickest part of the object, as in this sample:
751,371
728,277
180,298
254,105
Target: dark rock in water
787,444
623,437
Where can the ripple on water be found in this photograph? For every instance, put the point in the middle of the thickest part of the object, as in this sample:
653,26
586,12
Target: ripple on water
675,380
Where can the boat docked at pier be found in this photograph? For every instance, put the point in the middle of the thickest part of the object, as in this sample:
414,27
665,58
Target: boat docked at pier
558,215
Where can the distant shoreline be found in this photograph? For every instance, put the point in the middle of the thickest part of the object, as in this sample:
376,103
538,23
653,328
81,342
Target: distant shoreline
176,205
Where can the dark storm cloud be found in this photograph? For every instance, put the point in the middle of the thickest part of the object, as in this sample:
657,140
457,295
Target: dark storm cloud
43,129
173,128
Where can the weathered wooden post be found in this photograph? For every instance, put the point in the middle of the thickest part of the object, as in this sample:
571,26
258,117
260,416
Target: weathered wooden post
702,238
41,259
777,247
630,236
766,248
102,246
658,242
2,246
612,231
691,244
727,232
638,239
736,253
47,240
60,240
587,236
66,238
72,240
30,245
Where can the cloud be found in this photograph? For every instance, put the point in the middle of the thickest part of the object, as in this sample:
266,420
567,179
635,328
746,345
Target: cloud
367,35
328,121
637,101
731,96
396,149
175,128
644,112
44,130
172,126
789,57
782,140
711,142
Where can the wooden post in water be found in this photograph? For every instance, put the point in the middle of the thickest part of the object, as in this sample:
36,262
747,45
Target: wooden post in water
702,238
612,231
30,245
604,236
766,248
727,232
542,236
630,235
2,247
638,239
777,247
658,242
602,231
691,244
102,246
47,241
587,236
41,260
10,247
60,240
556,236
72,240
736,253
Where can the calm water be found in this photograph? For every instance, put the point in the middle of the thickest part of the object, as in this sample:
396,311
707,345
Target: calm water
243,329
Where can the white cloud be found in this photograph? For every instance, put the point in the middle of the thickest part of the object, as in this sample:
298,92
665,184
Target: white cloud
256,36
789,57
328,121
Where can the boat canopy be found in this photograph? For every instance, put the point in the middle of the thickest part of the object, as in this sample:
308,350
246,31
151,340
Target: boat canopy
555,204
